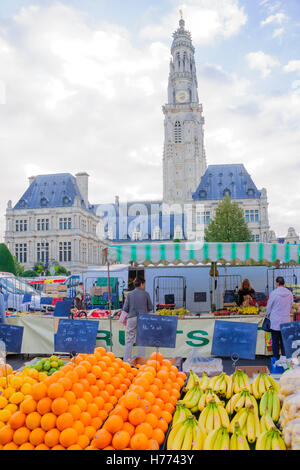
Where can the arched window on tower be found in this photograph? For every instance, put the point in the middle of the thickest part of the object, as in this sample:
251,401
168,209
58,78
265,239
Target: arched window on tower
177,133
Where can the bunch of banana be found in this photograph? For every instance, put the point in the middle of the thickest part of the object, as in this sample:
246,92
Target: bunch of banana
208,396
186,435
240,381
222,385
248,423
261,383
181,414
204,382
213,417
270,402
218,439
270,440
239,401
192,381
191,398
266,422
238,441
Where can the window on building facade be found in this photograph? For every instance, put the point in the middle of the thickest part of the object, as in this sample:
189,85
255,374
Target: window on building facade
178,232
156,234
65,223
42,225
84,252
42,254
203,217
136,234
83,225
65,251
21,225
177,133
256,238
251,215
21,252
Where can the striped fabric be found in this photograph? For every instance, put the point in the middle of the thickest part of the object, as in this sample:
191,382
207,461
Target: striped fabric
145,253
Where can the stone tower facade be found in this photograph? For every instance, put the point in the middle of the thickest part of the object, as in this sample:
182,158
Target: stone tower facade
184,160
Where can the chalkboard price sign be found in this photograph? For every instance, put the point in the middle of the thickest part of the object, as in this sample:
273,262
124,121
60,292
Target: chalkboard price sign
12,336
156,331
76,335
234,338
290,333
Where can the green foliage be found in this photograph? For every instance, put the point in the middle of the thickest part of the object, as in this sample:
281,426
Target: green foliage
19,267
229,224
29,273
176,240
7,263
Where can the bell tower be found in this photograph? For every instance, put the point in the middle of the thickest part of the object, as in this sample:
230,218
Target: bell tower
184,160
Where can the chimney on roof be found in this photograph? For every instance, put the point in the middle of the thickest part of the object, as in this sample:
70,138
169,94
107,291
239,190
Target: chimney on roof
82,180
31,179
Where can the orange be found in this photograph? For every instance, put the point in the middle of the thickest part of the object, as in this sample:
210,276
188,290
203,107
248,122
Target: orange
108,407
162,424
44,405
157,356
96,423
142,382
68,437
48,421
74,447
58,447
129,428
52,437
156,410
100,384
154,389
64,421
106,377
99,402
55,390
75,411
163,395
72,375
167,363
152,419
26,446
91,378
116,382
158,435
59,406
122,411
100,350
6,434
43,447
113,400
138,389
37,436
28,405
81,371
87,365
21,435
65,382
163,375
85,418
83,441
17,420
145,428
167,416
38,391
150,397
94,390
132,400
110,389
70,397
10,446
92,359
152,445
82,404
79,427
33,420
139,441
114,423
102,439
88,397
136,416
159,402
78,389
90,432
120,440
169,407
173,400
158,382
145,405
105,395
92,409
85,384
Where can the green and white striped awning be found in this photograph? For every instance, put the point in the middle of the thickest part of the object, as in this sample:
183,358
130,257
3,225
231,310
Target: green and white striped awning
156,253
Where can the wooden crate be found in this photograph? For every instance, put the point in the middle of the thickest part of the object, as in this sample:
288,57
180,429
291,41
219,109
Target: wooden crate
251,370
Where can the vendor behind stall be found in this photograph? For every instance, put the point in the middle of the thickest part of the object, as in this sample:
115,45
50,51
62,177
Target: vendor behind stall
245,293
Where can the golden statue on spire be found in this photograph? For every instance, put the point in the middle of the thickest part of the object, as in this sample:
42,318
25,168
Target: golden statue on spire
181,13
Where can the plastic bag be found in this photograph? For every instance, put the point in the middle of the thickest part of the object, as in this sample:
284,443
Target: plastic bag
290,408
291,434
289,382
199,364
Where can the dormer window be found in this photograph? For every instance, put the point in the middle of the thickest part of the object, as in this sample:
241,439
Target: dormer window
250,192
23,203
202,194
226,192
44,202
66,200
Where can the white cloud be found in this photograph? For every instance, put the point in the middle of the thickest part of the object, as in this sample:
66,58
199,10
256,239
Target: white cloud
262,62
292,66
278,18
206,19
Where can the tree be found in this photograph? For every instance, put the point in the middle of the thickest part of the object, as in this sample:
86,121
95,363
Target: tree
19,268
7,263
29,273
229,224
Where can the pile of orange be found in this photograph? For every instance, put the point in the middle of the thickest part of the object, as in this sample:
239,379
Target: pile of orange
142,416
64,410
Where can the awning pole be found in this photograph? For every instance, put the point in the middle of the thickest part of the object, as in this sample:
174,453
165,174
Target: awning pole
109,299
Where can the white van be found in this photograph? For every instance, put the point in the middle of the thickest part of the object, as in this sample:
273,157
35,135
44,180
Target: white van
18,294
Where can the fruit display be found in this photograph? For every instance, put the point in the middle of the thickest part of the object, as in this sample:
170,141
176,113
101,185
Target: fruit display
179,312
48,365
65,410
142,415
290,412
229,412
251,310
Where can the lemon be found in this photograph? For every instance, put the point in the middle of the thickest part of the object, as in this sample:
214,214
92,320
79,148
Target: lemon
5,415
16,398
3,402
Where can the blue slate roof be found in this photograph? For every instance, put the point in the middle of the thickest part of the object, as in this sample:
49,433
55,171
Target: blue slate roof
232,179
49,191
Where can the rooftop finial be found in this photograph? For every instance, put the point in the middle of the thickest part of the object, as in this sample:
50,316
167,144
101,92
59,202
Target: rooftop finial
181,21
181,13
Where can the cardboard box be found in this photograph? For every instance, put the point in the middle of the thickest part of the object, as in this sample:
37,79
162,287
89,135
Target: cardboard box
252,370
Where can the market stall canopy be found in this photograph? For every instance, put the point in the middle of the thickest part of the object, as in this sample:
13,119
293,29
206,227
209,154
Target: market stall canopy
156,253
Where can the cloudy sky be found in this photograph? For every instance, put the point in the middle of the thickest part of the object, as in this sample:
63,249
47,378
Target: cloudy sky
82,83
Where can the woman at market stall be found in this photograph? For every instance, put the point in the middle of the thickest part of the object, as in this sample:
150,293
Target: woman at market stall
245,293
137,301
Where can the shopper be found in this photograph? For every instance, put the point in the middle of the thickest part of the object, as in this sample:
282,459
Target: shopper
79,296
278,310
245,293
2,308
137,301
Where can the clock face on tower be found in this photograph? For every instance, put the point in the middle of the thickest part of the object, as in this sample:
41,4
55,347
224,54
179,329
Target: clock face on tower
182,96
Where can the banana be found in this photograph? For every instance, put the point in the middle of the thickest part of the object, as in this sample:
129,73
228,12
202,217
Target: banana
236,384
277,441
251,433
202,402
213,380
263,424
241,380
229,389
261,385
276,407
240,403
172,435
219,439
194,410
216,416
261,441
216,386
198,438
275,384
209,425
263,405
240,418
231,403
241,442
223,386
202,419
256,424
224,417
225,445
233,442
254,404
210,440
188,438
180,414
255,390
191,381
178,439
247,382
270,400
268,382
204,382
269,438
